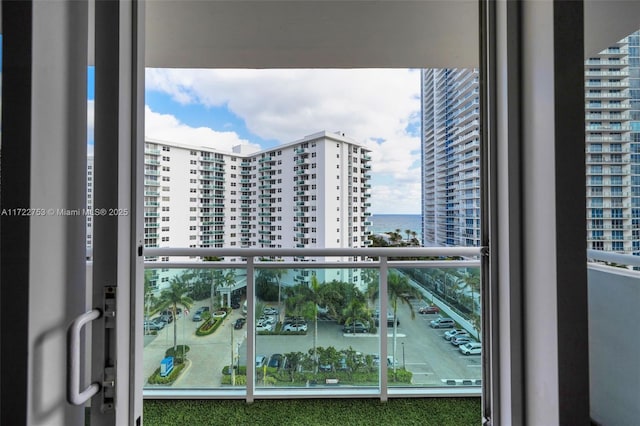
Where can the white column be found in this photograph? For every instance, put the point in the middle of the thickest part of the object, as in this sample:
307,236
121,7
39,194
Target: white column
538,245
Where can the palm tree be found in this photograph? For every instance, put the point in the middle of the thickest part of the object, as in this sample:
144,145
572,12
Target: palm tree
174,296
356,310
414,238
295,359
270,275
471,280
305,302
408,232
278,273
399,290
372,278
217,278
229,280
476,323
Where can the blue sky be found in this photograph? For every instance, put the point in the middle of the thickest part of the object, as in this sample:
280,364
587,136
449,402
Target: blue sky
265,108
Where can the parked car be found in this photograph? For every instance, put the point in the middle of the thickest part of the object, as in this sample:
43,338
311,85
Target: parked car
391,362
263,327
471,348
198,314
153,325
169,313
261,360
448,335
235,304
376,317
267,319
325,367
294,327
159,321
294,320
356,327
201,310
461,340
342,365
239,323
270,311
429,310
276,361
167,317
442,323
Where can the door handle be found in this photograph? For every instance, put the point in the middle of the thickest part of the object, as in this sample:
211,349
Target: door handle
74,395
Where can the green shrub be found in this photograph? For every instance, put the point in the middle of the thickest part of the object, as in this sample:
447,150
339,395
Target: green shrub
401,376
156,379
209,326
178,356
242,370
240,380
180,349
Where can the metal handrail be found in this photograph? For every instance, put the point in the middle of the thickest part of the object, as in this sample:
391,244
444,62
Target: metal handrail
319,252
619,258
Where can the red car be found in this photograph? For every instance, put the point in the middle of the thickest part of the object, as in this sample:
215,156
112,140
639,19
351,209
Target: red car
429,310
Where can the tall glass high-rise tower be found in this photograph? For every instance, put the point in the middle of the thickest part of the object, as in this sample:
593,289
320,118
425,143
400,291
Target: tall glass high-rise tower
612,108
450,157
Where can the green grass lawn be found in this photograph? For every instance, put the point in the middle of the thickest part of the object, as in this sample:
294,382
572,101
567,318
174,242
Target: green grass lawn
303,412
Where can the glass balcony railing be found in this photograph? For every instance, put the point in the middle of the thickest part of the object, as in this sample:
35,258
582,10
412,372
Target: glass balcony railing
614,295
313,322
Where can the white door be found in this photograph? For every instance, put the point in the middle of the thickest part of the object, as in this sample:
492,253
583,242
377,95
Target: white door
45,349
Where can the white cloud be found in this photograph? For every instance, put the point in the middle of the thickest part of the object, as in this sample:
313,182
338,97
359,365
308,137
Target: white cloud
396,199
372,106
166,127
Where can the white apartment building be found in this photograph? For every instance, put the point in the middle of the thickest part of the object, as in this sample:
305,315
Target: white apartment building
611,164
450,157
313,192
89,217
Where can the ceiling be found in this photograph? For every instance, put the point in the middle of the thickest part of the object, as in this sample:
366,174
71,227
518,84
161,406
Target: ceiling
340,33
311,34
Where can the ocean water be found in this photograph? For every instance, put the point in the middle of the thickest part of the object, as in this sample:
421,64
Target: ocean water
390,222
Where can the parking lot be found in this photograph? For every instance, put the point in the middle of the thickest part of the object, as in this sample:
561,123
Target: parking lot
421,349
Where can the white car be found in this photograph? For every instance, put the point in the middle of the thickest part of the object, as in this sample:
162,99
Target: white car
461,340
270,311
263,327
267,319
295,327
455,333
471,348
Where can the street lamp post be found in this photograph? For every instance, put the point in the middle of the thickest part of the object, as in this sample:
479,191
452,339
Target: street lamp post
233,370
404,365
238,356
